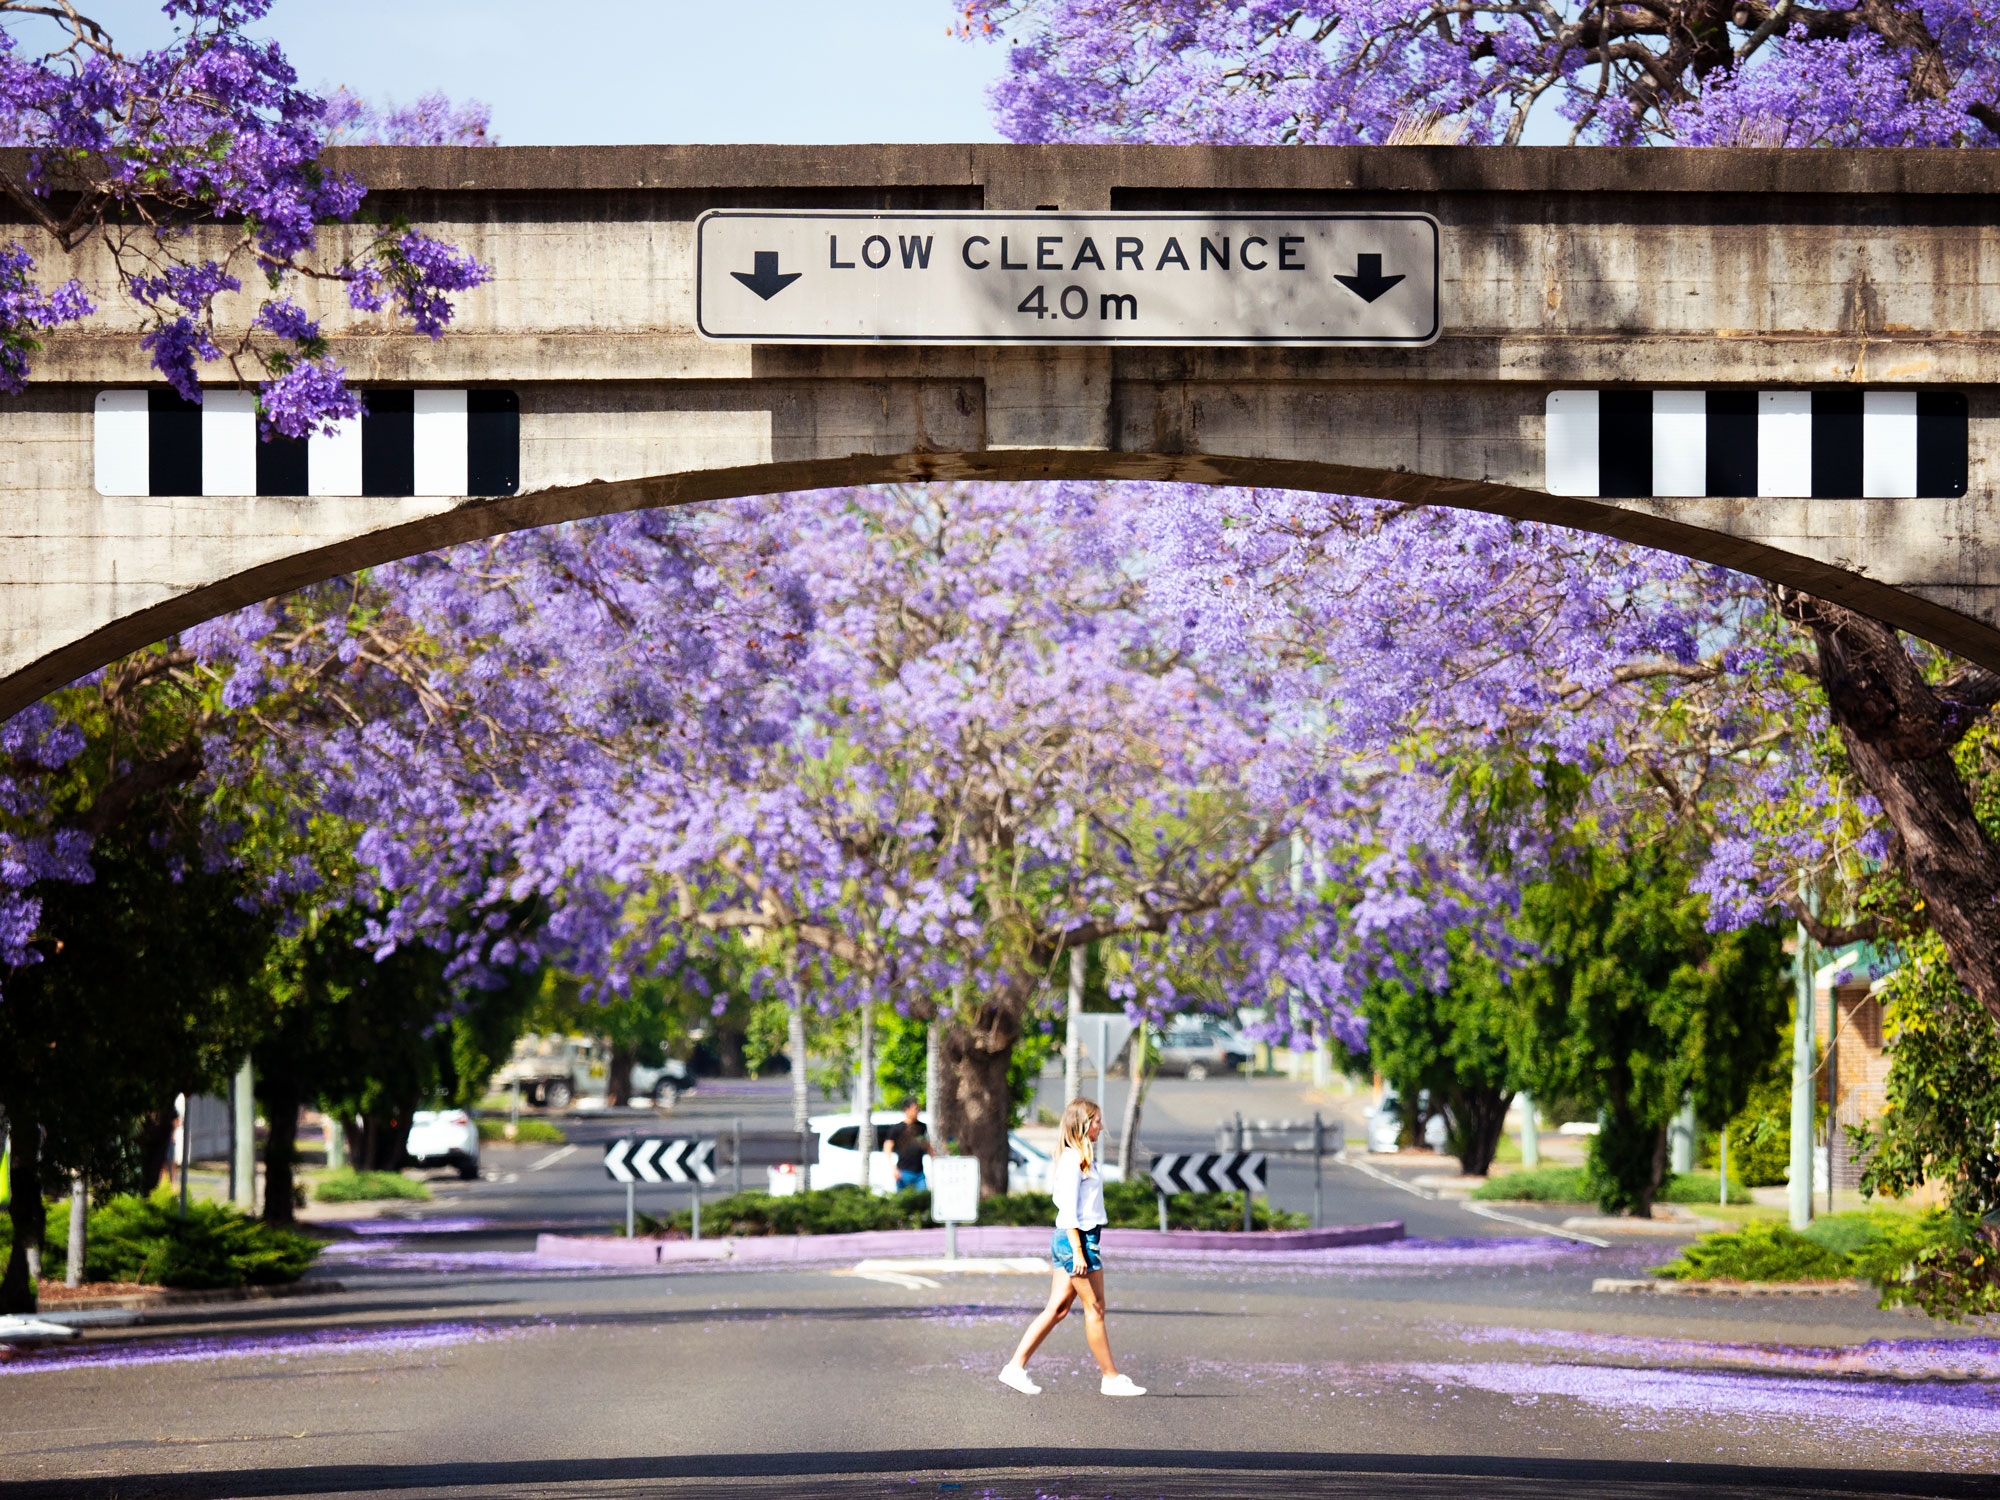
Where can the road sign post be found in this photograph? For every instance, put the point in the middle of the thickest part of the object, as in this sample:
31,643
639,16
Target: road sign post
954,1185
636,1159
1215,1172
1319,1148
948,277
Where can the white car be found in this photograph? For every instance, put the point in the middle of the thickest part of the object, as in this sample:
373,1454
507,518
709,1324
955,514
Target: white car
444,1138
1385,1126
1028,1166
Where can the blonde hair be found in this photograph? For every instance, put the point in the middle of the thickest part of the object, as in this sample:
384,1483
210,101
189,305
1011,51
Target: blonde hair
1076,1118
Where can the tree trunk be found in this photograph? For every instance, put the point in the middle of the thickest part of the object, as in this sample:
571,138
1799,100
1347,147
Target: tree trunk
1899,732
1480,1118
281,1108
156,1146
729,1052
1135,1082
795,1049
1658,1175
975,1062
618,1076
18,1292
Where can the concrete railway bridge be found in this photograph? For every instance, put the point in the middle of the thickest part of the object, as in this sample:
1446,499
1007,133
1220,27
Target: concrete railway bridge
1842,292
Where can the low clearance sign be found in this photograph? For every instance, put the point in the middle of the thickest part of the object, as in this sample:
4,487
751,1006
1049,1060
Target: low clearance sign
1056,278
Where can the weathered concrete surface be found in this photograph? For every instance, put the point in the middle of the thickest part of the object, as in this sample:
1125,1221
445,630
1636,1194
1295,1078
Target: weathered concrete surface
1561,268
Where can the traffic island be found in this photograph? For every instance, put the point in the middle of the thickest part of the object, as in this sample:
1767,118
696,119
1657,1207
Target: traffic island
999,1240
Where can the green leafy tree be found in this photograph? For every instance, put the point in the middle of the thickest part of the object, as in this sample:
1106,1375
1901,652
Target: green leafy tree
143,991
1942,1125
1635,1006
1455,1045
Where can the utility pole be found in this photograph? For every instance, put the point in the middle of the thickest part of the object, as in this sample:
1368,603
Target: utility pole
79,1219
1680,1139
1531,1132
864,1091
1073,1030
1800,1194
934,1077
243,1159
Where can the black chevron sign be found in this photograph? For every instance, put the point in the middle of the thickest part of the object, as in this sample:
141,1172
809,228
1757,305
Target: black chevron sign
654,1158
1217,1172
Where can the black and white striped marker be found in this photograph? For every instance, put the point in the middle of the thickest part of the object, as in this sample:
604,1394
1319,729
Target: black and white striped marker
1835,445
1217,1172
653,1158
405,443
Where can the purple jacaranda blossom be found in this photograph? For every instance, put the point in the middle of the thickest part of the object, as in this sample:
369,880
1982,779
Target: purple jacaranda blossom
201,172
1911,72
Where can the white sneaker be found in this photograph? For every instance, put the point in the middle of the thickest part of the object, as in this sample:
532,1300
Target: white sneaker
1016,1378
1114,1385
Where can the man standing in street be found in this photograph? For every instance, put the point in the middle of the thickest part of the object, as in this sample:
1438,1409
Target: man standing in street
912,1143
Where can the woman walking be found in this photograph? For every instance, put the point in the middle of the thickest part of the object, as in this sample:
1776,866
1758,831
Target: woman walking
1079,1193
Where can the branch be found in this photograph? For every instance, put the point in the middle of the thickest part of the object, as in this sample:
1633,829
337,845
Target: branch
178,766
1835,935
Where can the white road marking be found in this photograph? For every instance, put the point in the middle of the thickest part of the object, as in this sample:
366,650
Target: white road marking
552,1158
1487,1211
893,1278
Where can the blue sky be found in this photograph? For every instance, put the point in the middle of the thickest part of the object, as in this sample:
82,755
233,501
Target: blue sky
643,71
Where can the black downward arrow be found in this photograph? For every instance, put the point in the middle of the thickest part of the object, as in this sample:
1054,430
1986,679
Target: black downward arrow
767,283
1367,282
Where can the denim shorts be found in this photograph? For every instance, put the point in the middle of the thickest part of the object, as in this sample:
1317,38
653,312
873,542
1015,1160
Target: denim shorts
1065,1258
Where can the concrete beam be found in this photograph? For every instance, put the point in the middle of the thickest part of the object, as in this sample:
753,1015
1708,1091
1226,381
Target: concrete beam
1560,268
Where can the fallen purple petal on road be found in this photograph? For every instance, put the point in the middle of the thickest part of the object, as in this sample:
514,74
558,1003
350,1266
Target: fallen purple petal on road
1833,1408
1910,1359
407,1339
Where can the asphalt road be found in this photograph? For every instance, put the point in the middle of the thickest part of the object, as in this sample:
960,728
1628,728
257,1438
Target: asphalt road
1471,1360
1476,1370
566,1187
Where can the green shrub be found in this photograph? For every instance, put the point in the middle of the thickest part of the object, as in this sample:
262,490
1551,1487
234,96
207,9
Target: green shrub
1536,1185
368,1187
146,1240
1757,1252
1567,1185
1760,1138
1134,1205
849,1210
1699,1189
526,1132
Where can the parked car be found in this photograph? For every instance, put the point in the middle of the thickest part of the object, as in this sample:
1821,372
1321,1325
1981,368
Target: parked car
444,1138
1199,1047
553,1070
839,1136
665,1084
1385,1125
1029,1166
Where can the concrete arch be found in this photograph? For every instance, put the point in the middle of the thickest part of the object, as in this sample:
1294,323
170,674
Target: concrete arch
1559,269
1649,523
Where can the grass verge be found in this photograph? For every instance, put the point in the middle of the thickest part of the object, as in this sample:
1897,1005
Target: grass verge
368,1187
526,1132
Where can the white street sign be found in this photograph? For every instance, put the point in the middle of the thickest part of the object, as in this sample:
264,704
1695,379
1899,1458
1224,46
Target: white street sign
1104,1036
954,1185
1055,278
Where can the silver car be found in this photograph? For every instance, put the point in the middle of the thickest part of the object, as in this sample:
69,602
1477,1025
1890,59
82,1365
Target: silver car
1199,1048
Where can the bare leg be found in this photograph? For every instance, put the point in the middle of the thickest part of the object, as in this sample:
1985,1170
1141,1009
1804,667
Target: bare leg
1061,1294
1092,1293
